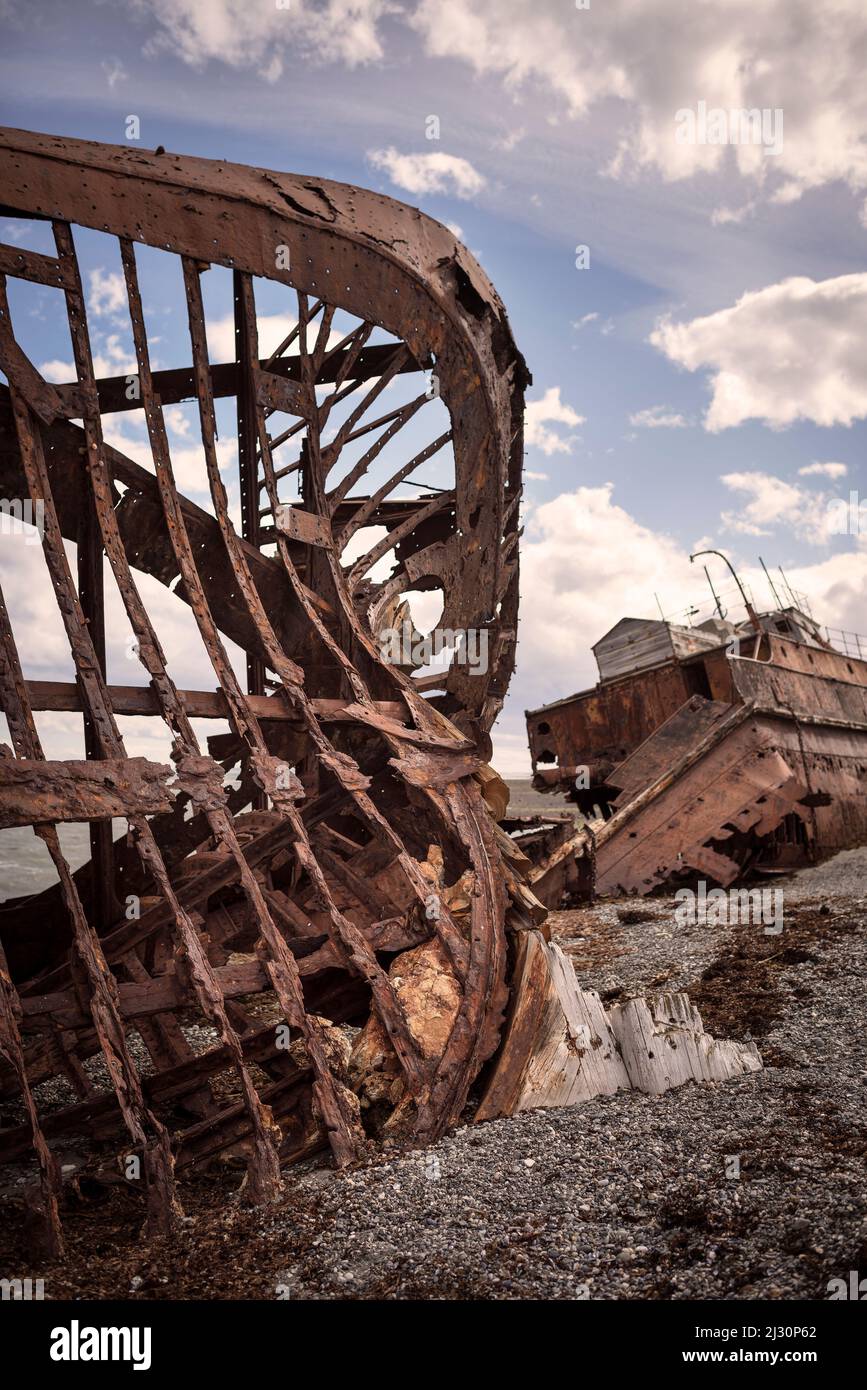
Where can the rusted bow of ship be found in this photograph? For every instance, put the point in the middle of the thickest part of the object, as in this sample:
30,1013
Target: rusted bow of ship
291,932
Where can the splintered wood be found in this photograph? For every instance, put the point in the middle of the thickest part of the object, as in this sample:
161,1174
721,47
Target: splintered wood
561,1046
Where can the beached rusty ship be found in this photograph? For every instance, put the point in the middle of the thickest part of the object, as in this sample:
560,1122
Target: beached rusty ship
715,750
311,932
334,822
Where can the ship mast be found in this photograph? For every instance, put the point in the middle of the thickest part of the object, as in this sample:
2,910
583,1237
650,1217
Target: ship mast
749,607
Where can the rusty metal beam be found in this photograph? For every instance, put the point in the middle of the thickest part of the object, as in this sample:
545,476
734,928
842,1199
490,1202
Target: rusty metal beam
174,385
32,790
199,704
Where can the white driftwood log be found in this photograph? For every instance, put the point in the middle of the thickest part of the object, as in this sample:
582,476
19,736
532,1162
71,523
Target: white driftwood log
561,1046
663,1044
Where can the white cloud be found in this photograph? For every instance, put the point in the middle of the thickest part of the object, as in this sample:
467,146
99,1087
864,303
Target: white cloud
512,138
273,68
584,319
550,410
586,563
33,610
456,230
834,588
658,417
721,217
792,351
114,72
794,55
178,422
110,358
14,231
244,35
57,370
824,470
107,294
190,472
128,434
535,477
429,173
770,503
273,328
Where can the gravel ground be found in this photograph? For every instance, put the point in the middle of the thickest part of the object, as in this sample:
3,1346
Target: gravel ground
628,1196
752,1189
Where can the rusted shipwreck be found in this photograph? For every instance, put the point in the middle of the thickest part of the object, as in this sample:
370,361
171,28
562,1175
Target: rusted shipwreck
308,930
353,833
711,751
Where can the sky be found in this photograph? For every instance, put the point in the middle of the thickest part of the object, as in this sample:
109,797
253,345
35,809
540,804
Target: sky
690,293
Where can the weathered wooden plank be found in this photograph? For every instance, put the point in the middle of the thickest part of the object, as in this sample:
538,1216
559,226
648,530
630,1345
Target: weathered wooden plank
663,1044
561,1046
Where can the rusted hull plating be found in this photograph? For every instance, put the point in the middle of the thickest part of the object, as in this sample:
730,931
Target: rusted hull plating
353,859
767,775
759,790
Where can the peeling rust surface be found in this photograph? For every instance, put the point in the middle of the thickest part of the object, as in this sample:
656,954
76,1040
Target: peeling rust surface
350,872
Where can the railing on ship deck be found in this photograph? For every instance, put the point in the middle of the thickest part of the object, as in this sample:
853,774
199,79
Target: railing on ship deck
849,643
